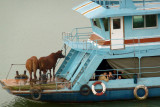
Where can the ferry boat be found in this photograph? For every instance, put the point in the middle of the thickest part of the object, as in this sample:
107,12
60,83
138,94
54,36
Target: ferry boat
124,38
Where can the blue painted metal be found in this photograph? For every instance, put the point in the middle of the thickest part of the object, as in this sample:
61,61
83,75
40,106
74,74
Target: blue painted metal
115,90
139,33
127,4
82,65
76,63
76,97
104,34
67,62
88,71
115,9
129,33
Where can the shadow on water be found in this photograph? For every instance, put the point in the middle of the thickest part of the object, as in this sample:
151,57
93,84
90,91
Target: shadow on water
20,102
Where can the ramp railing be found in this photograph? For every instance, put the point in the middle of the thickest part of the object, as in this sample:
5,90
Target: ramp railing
77,34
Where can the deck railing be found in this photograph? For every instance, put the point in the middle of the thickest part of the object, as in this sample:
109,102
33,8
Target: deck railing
81,40
108,3
69,85
21,83
78,37
77,34
123,73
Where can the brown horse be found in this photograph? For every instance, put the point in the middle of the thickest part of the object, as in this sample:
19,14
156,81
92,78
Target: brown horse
32,66
49,62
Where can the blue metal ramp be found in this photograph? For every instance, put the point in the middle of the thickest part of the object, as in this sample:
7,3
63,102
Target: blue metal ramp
70,64
83,64
86,72
65,63
75,64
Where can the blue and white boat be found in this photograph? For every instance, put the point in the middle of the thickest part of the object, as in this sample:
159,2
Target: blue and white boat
124,38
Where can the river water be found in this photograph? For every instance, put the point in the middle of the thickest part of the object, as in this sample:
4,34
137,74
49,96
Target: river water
33,28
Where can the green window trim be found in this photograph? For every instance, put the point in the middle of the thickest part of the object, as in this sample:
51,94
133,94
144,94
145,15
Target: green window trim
145,21
106,23
96,22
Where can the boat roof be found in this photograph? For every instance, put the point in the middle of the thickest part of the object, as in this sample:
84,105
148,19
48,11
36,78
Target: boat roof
114,8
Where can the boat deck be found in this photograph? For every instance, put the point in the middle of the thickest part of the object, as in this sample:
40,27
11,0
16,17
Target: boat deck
23,84
100,41
14,82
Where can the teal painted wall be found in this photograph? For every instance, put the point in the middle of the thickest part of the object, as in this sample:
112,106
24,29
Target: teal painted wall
129,31
101,31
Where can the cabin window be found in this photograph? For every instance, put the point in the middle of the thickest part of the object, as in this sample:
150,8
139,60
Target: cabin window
138,21
146,21
116,23
151,20
105,23
96,22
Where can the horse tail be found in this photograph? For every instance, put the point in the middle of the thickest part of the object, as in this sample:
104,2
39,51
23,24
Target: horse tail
35,64
41,64
29,65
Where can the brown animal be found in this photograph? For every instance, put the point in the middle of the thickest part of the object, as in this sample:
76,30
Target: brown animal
49,62
32,66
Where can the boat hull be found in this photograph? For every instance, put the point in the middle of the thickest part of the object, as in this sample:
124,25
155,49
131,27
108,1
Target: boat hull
110,94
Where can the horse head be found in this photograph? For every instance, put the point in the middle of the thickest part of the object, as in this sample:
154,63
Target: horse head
59,54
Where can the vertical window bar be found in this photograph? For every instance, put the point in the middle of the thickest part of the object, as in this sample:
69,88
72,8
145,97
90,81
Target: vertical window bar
139,67
144,21
100,2
104,3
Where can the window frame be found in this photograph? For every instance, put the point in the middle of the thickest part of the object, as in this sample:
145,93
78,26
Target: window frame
96,25
108,24
145,22
119,23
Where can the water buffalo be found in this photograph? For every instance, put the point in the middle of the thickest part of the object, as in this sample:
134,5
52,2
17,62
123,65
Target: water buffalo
49,62
32,66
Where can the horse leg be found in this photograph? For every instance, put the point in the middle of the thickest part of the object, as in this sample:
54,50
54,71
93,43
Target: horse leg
35,77
44,71
53,71
50,73
30,73
40,74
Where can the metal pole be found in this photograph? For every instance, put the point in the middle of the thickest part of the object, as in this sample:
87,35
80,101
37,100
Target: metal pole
9,71
104,3
139,67
86,45
117,74
76,35
65,48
